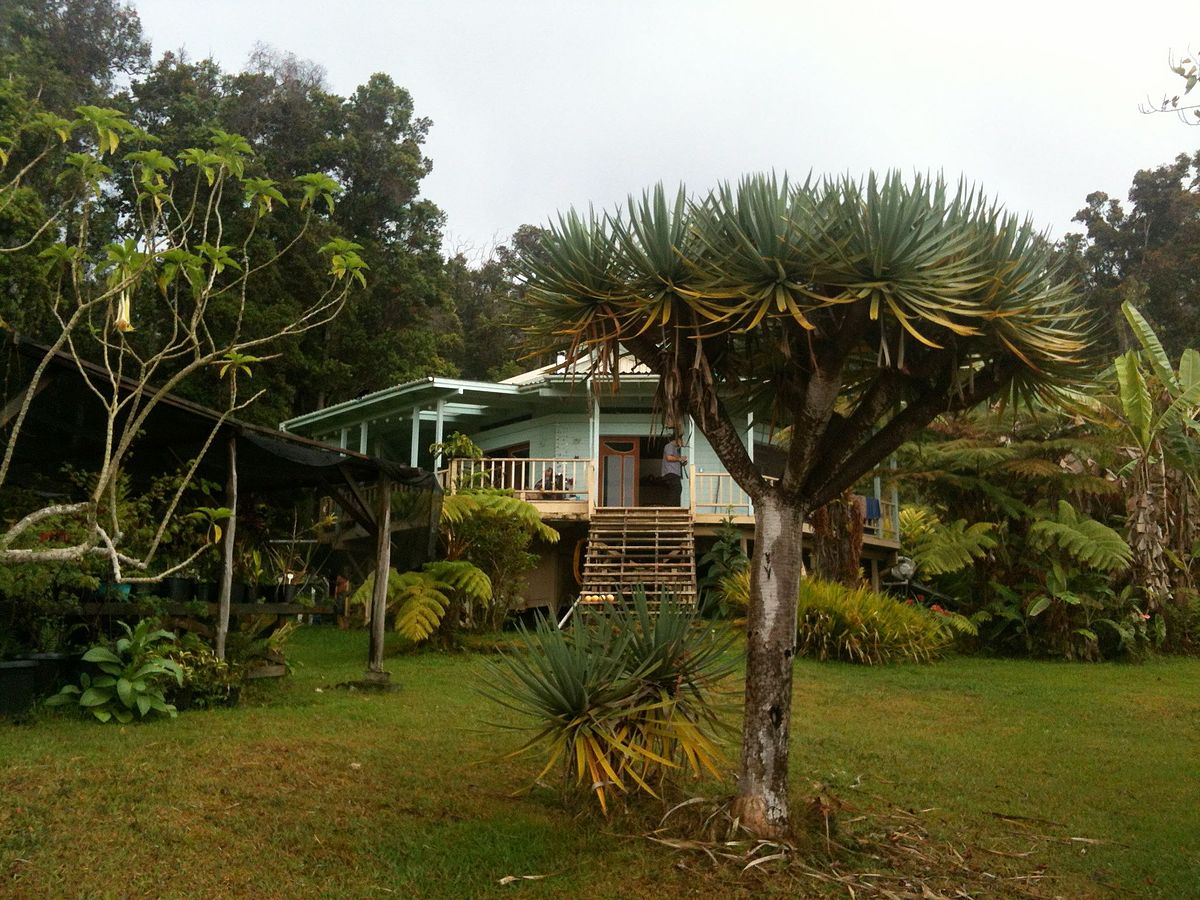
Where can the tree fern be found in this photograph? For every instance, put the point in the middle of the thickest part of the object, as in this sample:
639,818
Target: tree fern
456,508
463,576
1084,540
417,601
939,549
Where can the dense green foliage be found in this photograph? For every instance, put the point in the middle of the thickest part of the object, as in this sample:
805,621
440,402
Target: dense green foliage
419,314
1146,253
134,670
860,625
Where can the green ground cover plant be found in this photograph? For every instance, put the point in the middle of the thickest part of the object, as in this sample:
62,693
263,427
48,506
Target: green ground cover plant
304,790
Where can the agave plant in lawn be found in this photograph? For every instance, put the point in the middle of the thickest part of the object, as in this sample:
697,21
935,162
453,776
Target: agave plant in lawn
134,670
683,662
623,700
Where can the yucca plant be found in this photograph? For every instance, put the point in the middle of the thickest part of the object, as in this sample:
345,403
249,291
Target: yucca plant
682,661
623,700
579,696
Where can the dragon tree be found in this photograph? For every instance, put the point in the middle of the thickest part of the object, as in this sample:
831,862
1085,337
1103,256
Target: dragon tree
853,312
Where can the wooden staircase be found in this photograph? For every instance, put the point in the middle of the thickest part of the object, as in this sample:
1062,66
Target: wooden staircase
651,547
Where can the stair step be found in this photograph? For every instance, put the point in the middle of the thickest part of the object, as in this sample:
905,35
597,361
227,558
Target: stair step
648,549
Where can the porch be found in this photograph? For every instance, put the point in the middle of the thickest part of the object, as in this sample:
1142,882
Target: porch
567,489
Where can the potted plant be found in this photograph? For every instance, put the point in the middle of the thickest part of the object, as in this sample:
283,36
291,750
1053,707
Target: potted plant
252,572
18,686
290,569
41,599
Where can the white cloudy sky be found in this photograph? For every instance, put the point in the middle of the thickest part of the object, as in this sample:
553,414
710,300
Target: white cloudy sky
542,104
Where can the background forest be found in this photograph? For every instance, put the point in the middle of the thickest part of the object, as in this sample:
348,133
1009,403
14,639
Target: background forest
428,310
424,312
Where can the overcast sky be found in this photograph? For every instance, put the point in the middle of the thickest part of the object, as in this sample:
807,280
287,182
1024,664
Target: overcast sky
538,105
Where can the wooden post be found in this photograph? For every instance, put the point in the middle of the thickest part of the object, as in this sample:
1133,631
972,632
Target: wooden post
415,446
383,564
231,496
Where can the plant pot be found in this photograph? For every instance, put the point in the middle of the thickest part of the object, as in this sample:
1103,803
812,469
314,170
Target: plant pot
269,670
208,591
237,592
52,672
117,592
286,593
253,592
18,681
179,590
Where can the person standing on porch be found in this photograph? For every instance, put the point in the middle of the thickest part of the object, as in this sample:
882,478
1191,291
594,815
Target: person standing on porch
672,469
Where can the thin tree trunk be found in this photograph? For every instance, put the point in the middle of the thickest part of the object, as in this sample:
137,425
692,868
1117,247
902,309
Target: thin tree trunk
231,499
1147,537
762,800
837,540
383,564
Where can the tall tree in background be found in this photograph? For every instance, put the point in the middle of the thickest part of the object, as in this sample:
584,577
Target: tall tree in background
71,52
1147,254
853,313
487,297
403,326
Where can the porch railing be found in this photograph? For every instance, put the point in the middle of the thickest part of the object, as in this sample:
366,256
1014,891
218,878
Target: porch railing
544,478
717,494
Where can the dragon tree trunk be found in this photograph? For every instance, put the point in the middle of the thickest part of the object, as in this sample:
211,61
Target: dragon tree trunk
762,797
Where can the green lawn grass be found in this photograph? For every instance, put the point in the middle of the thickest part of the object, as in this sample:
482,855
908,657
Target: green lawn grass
306,790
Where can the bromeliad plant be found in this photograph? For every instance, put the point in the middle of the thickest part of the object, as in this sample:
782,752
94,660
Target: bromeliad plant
626,699
133,672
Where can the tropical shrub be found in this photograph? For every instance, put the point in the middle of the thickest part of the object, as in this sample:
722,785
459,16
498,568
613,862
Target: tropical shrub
208,680
492,529
725,558
259,641
624,700
133,672
1031,554
860,625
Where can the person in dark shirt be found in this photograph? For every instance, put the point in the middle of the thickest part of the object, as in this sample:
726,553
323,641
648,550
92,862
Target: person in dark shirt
673,462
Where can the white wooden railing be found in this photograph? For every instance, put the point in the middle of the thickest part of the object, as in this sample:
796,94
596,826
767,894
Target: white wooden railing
558,479
717,494
545,478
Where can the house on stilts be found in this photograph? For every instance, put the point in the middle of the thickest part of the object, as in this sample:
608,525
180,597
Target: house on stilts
589,457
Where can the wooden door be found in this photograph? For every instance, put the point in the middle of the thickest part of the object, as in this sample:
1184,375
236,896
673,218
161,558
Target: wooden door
618,471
